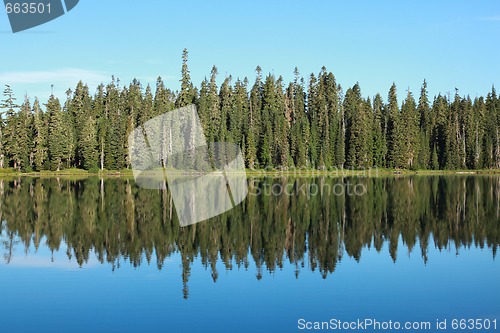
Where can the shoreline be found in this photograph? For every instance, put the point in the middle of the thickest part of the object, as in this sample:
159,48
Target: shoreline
262,173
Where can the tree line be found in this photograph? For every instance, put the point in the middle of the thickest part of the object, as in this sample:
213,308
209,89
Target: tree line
313,125
121,224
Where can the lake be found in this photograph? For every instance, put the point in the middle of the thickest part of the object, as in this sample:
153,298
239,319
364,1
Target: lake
104,255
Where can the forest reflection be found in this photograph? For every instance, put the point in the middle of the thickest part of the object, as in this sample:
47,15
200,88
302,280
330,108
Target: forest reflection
115,220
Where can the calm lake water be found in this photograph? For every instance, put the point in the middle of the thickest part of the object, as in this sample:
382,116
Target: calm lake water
95,255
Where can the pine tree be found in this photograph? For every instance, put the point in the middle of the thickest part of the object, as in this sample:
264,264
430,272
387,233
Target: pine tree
251,151
129,128
318,106
359,129
40,134
214,111
56,134
163,102
434,159
281,127
439,129
410,145
68,146
475,133
146,110
164,99
203,106
299,137
102,123
132,98
79,108
22,151
240,108
340,137
492,123
455,136
8,128
88,139
460,108
333,117
379,150
188,93
323,107
270,110
134,102
114,158
425,127
255,121
226,104
395,132
314,122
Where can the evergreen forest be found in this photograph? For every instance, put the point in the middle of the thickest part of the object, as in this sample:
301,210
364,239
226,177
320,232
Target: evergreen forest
309,123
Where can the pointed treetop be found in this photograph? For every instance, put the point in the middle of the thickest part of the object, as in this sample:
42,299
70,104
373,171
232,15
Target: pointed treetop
297,74
258,69
213,73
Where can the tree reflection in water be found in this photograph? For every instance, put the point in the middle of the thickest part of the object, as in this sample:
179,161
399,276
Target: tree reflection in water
116,220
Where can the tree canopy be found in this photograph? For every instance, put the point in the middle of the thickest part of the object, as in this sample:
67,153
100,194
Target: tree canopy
276,124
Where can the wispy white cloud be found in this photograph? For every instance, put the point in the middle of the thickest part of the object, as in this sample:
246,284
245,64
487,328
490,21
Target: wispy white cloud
59,76
38,83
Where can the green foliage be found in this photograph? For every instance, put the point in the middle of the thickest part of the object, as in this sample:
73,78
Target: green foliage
379,148
94,169
276,125
395,132
425,127
40,138
57,142
410,121
359,140
111,220
188,93
88,140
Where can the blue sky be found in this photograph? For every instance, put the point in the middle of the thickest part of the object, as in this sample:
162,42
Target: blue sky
451,44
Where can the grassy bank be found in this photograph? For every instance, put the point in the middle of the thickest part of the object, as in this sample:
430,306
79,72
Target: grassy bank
66,172
260,173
